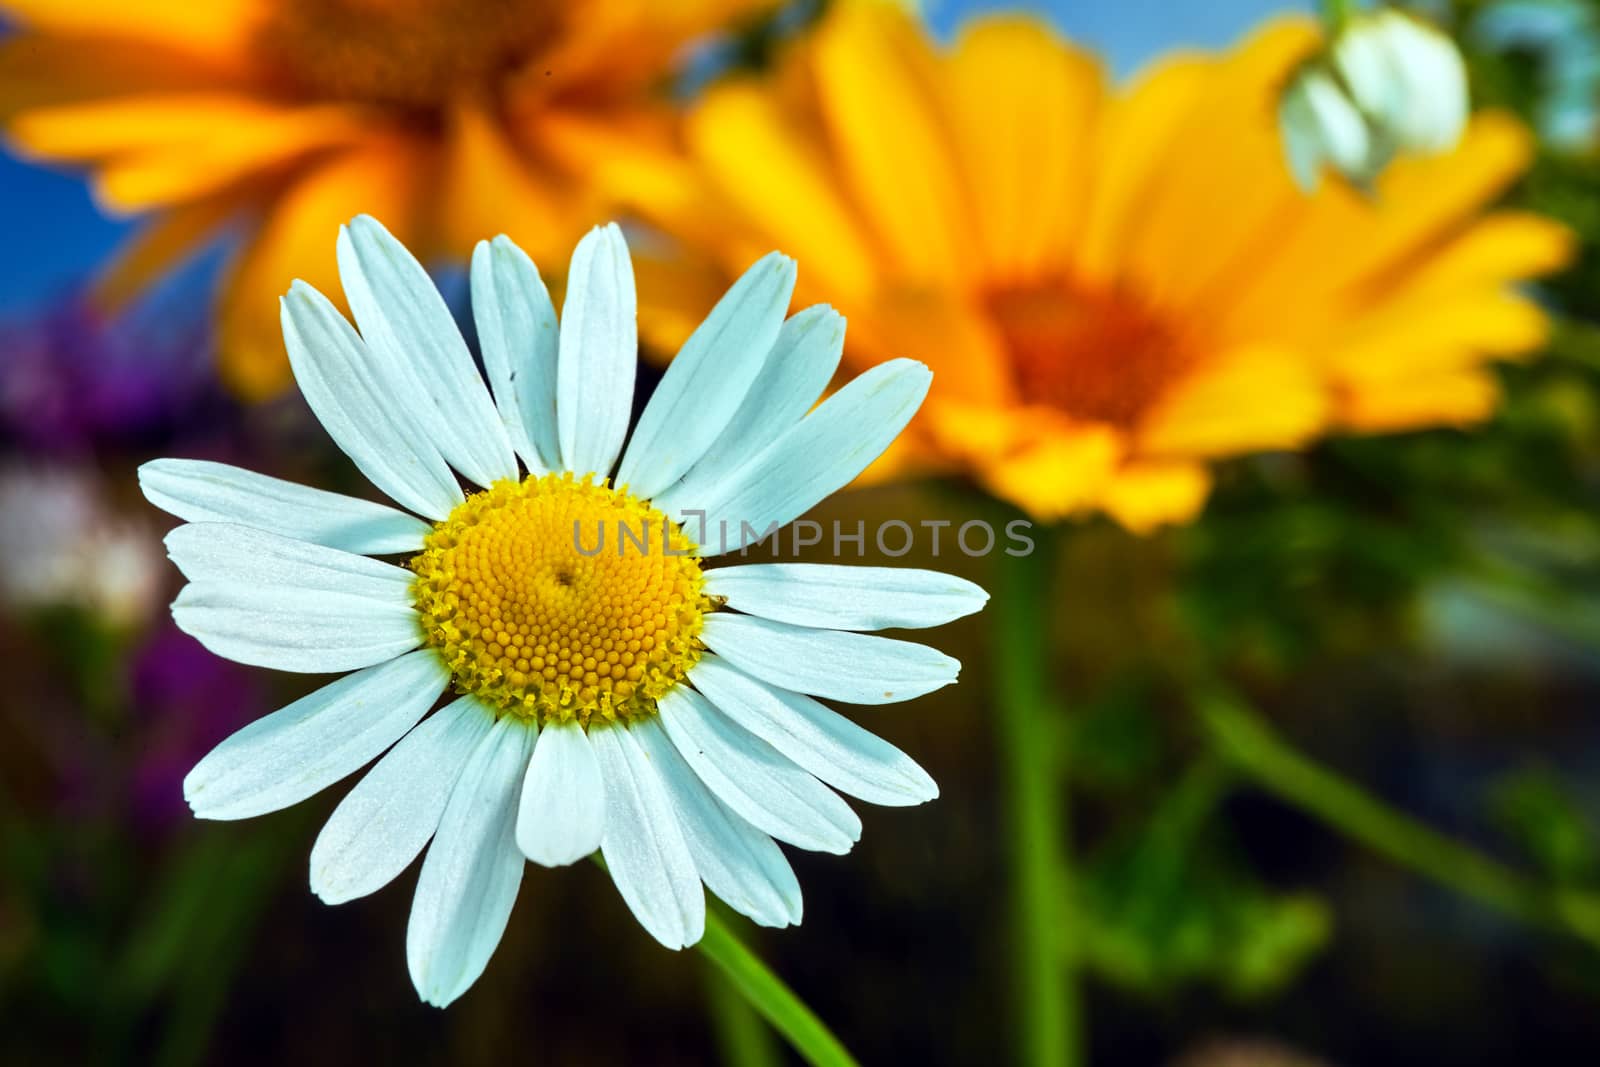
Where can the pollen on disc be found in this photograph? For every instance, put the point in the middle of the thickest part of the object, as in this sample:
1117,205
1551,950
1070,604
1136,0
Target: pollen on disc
556,598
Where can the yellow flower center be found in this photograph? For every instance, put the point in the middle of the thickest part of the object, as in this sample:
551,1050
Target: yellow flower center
1100,355
559,599
405,53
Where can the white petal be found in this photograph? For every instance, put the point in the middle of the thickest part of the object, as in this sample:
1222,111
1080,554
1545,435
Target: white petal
817,738
200,491
845,598
802,362
858,668
224,552
598,353
563,814
282,758
1337,127
421,355
332,366
709,377
473,870
383,823
295,630
520,338
763,786
1302,137
738,863
1366,65
1431,77
644,847
818,456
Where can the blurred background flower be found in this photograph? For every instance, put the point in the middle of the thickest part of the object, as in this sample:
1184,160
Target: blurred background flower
77,381
64,549
446,120
1114,285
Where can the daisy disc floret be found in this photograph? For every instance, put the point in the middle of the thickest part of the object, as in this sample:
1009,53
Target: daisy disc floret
531,622
615,688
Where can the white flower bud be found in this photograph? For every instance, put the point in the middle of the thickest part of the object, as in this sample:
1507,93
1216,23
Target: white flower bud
1402,82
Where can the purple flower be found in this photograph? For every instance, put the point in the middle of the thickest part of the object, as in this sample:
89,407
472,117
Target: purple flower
73,380
185,701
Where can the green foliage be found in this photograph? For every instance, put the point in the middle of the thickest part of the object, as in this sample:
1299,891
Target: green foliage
1168,901
1544,815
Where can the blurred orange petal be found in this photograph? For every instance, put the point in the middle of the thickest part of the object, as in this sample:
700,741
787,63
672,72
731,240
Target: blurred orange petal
759,164
1145,495
1202,307
212,28
383,179
874,93
1021,114
1457,399
1059,474
1250,400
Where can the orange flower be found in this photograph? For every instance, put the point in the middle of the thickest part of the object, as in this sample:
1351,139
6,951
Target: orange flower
1114,287
449,120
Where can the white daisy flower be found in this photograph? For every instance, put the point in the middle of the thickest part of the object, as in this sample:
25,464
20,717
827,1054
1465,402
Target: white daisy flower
631,700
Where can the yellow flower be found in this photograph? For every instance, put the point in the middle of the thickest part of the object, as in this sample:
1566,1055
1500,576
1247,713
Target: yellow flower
449,118
1114,287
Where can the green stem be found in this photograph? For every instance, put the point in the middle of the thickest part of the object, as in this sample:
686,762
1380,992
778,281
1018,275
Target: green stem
1252,747
742,1038
1029,732
775,1001
1336,13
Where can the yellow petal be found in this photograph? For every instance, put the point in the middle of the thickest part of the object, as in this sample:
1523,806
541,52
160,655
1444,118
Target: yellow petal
164,148
215,28
1227,182
984,433
97,129
1426,198
1346,240
1346,245
1459,399
1251,399
296,240
628,158
955,340
489,188
1435,334
676,292
38,70
781,184
1508,246
1142,496
874,84
176,173
1021,105
1060,474
1127,149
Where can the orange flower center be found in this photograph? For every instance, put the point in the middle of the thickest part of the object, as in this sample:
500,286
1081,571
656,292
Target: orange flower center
1100,355
413,54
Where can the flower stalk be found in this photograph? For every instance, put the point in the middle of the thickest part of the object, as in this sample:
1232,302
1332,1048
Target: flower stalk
768,995
1033,768
1251,747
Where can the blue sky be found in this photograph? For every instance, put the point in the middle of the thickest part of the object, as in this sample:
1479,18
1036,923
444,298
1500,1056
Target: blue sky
54,235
